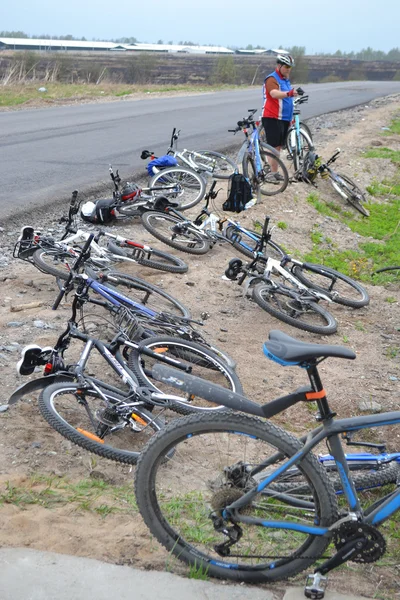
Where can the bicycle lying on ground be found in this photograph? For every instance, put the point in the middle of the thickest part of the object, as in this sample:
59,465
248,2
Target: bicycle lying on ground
199,235
290,290
54,257
215,504
260,162
104,418
204,162
313,166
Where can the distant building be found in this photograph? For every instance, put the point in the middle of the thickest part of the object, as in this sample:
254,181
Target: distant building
83,46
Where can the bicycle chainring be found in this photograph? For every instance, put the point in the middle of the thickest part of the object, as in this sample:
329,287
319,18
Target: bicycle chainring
372,551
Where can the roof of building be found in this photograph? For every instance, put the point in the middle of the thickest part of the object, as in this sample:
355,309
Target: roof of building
59,44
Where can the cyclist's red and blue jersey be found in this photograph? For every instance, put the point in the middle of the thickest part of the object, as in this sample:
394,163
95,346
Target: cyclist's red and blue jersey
278,109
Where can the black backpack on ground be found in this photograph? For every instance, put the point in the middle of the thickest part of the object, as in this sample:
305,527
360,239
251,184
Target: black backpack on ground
239,193
102,212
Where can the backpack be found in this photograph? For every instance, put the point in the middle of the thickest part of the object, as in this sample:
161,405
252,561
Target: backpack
161,163
239,193
99,212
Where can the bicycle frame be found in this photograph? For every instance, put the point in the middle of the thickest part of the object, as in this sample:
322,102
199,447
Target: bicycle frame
331,430
275,266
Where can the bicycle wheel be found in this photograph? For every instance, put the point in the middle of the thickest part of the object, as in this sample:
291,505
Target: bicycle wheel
306,140
216,164
202,362
301,313
245,242
145,293
177,234
298,148
190,186
182,500
270,182
348,190
340,288
155,259
104,428
249,171
364,478
53,262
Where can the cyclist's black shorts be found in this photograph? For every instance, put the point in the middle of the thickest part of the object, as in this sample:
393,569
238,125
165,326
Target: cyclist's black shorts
275,131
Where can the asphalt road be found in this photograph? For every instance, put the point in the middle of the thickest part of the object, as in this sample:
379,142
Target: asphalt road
46,153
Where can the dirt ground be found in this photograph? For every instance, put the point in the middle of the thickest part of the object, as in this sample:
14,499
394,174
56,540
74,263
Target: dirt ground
30,450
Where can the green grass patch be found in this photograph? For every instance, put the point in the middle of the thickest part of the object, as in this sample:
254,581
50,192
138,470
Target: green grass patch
393,155
94,495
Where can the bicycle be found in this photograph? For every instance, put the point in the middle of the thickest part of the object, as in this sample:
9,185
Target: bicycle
213,505
260,162
199,235
54,257
342,184
299,139
205,162
292,294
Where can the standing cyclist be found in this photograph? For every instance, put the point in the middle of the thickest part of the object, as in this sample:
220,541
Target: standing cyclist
278,107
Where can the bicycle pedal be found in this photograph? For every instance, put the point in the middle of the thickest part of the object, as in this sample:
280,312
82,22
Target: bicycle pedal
32,356
315,586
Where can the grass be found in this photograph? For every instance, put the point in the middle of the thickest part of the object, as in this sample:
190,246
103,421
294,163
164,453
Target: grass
383,152
19,94
382,229
93,495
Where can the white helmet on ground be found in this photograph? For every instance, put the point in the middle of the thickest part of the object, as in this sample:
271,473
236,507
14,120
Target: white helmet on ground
285,59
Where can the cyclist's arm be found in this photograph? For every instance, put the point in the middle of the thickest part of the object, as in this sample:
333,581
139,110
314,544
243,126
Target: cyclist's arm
272,88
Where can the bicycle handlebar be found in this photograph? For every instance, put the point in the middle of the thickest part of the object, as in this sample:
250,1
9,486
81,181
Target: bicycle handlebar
74,268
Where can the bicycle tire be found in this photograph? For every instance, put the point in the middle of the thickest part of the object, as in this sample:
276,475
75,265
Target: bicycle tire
47,261
178,236
71,420
364,479
203,361
268,186
246,245
347,189
192,187
306,145
178,498
146,293
249,171
324,279
294,311
222,168
153,258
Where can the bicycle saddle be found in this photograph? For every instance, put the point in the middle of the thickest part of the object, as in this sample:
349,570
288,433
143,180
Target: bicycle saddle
286,350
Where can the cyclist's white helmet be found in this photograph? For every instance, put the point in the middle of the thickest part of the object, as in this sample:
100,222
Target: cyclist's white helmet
285,59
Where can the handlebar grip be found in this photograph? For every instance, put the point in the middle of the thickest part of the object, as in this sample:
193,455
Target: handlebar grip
74,197
59,298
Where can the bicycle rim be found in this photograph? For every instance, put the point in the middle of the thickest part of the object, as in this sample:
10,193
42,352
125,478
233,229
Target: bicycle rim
201,361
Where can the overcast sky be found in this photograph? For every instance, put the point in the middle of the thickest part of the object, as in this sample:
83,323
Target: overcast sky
319,26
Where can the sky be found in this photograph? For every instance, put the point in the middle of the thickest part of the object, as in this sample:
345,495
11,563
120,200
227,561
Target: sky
346,25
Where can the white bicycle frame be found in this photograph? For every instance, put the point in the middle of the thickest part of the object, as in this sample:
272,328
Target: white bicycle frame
103,256
274,266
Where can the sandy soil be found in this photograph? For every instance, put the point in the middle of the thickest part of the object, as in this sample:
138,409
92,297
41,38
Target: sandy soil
29,447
